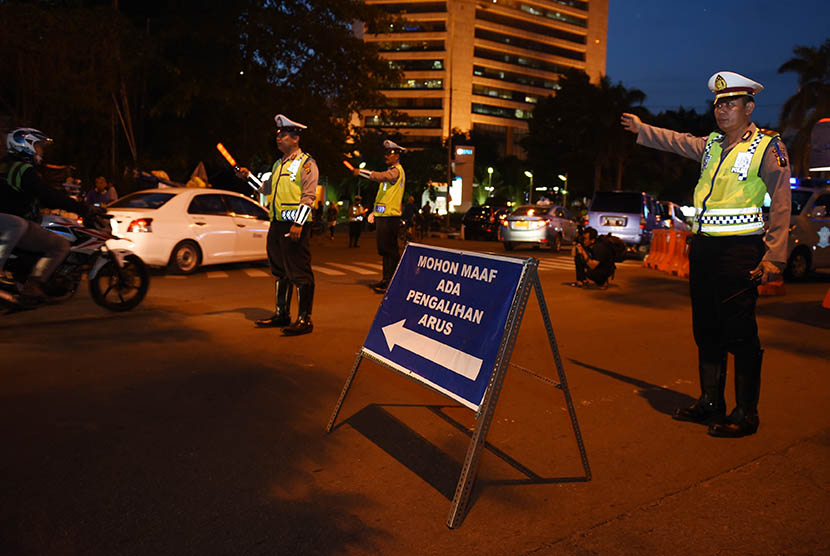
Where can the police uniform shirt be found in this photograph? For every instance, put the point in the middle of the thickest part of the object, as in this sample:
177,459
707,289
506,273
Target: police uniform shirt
308,178
773,172
390,175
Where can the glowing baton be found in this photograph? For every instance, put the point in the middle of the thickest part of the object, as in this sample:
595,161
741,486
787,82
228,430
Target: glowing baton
348,165
224,152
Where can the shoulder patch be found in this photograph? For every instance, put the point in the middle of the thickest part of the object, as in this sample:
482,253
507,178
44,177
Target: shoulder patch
307,166
768,132
779,155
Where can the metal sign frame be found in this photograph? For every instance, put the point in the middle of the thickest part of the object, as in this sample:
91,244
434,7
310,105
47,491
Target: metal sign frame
484,416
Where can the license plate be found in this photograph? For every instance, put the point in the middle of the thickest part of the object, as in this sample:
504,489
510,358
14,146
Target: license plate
520,224
613,221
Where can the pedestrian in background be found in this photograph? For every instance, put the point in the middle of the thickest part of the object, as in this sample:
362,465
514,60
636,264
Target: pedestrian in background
102,194
593,259
290,194
356,214
331,219
387,213
730,248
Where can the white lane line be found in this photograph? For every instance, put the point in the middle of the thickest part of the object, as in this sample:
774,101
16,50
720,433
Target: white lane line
218,274
329,271
377,267
352,268
256,273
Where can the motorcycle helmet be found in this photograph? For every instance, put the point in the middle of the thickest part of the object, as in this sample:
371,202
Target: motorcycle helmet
20,143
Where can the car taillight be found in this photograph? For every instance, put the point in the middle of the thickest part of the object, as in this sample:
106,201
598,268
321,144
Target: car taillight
504,223
141,225
492,218
642,223
541,223
585,222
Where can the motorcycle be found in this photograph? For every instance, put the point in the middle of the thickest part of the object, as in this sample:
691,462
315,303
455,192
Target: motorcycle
118,278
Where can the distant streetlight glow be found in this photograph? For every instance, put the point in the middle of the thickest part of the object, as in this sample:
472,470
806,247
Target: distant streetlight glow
490,178
530,187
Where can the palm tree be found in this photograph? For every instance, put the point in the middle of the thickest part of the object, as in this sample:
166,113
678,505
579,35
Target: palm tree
811,103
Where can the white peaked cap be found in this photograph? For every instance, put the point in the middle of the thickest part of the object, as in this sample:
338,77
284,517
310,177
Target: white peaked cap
730,84
387,144
285,123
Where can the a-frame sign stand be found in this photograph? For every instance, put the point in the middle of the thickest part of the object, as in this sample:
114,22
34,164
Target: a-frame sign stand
484,417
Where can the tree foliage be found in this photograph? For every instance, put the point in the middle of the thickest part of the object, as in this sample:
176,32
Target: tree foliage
811,103
158,84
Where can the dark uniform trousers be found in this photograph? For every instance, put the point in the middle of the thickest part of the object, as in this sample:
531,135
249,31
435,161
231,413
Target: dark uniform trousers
290,262
719,267
387,238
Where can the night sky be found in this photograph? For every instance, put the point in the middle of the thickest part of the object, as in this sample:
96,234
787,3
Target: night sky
669,49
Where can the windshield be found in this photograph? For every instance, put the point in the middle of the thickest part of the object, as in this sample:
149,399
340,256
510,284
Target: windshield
142,200
799,199
617,201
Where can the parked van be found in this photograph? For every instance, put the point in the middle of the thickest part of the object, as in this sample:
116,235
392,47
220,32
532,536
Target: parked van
809,241
628,215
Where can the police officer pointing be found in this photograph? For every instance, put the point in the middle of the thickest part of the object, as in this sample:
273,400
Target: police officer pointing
387,213
730,250
290,193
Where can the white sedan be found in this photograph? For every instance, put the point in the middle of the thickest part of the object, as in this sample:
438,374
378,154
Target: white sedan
184,228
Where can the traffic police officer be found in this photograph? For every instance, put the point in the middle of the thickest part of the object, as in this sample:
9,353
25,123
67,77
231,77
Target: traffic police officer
356,213
387,212
290,193
730,250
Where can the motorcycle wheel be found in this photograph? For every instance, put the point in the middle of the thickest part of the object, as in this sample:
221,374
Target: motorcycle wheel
120,289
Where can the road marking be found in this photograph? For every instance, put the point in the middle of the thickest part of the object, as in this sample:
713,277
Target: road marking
218,274
377,267
256,273
453,359
352,268
329,271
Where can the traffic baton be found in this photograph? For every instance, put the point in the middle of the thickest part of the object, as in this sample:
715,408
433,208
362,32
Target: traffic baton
756,281
252,178
348,165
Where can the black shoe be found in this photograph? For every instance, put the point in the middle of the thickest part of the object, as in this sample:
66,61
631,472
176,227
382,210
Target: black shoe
700,412
302,326
274,321
737,425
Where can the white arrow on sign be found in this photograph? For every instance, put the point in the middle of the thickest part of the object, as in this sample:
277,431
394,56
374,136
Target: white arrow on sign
455,360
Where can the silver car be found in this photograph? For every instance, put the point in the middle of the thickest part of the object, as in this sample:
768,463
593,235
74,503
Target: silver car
548,225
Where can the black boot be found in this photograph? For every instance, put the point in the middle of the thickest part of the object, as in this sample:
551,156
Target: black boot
282,317
711,406
305,299
743,421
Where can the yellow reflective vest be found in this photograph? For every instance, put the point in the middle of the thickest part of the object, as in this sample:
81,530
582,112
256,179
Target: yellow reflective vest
286,187
389,197
730,194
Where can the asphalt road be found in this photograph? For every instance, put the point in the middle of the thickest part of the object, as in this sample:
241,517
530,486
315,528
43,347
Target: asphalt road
179,428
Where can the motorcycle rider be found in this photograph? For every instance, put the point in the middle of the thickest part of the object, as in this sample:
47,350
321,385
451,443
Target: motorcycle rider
22,192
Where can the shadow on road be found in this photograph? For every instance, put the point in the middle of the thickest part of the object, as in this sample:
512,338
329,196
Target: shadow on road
427,461
662,399
648,291
810,313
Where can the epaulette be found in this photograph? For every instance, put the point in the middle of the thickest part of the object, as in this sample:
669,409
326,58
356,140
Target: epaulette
768,132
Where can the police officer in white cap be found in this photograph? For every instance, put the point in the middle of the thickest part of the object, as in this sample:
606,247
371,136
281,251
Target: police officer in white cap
730,250
290,193
387,212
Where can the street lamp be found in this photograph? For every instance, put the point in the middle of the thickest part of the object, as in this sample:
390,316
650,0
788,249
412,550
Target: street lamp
564,178
530,187
490,178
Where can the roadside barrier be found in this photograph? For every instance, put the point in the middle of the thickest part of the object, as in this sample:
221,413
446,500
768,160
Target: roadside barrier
669,252
659,250
826,302
679,265
772,288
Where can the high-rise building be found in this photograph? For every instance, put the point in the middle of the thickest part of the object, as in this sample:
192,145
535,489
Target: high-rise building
483,64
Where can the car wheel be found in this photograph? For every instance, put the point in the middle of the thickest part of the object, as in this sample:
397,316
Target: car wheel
798,266
186,257
509,245
556,244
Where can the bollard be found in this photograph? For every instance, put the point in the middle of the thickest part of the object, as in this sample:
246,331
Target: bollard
826,302
659,250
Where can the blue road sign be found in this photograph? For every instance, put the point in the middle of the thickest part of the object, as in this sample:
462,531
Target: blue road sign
443,317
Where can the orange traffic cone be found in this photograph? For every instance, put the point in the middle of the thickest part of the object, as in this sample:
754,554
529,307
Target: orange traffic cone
826,302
